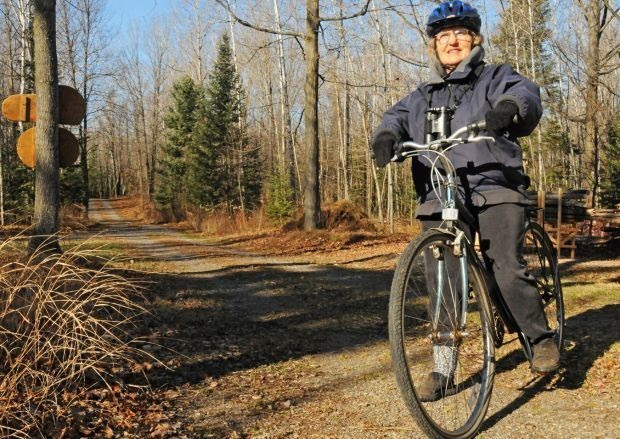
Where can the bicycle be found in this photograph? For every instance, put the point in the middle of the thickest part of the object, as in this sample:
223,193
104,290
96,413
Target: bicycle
445,311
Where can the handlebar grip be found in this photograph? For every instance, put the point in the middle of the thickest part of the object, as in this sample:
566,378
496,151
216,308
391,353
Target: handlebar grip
481,125
475,127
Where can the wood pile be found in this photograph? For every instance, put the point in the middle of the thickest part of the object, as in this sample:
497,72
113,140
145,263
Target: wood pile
574,205
568,220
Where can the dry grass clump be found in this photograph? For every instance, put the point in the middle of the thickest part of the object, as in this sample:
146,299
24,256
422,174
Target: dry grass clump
62,326
342,216
221,222
72,217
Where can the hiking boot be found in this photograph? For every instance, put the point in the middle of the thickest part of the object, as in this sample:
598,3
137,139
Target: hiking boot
546,356
435,387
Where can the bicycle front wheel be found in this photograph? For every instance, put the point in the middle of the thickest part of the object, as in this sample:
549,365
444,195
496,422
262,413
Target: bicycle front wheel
542,264
443,355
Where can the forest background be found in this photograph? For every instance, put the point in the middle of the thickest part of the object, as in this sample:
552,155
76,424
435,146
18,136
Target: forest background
204,108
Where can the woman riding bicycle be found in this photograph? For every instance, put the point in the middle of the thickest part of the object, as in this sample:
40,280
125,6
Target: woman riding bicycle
491,174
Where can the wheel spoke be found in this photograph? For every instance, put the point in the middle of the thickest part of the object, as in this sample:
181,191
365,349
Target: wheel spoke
542,265
463,356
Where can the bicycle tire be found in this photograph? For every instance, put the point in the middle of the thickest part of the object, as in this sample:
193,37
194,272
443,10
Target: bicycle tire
542,264
459,412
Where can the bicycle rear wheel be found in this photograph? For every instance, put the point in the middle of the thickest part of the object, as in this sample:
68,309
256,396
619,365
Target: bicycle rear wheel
542,264
466,353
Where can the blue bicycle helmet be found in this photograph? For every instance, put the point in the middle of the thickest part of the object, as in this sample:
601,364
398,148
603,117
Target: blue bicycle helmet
453,13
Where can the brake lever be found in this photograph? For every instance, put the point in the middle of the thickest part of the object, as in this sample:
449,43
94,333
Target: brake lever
398,153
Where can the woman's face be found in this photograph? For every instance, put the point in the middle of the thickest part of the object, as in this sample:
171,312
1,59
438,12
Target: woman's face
453,45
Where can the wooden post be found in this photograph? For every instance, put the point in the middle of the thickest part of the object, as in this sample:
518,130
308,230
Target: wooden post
559,225
541,208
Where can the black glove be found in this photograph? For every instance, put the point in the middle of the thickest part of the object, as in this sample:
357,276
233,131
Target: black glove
500,118
383,143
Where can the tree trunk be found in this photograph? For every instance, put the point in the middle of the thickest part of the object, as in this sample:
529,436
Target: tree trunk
84,127
312,202
84,157
23,14
47,202
289,144
346,112
593,16
1,190
390,98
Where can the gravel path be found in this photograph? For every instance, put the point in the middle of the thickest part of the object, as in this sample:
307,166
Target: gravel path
179,252
281,348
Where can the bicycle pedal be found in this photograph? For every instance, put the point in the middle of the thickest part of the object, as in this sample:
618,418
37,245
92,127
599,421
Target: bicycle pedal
500,330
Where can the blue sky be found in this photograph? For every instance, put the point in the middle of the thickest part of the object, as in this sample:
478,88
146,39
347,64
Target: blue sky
124,12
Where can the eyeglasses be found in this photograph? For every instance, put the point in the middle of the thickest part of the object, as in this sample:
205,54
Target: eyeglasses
461,34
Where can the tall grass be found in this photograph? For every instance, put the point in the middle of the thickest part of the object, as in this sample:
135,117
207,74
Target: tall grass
63,326
222,222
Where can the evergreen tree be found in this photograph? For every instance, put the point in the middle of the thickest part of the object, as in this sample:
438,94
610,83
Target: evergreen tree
224,170
180,124
558,147
522,41
18,180
71,185
280,205
610,168
250,165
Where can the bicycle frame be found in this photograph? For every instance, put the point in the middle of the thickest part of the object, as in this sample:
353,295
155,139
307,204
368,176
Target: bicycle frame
450,215
444,351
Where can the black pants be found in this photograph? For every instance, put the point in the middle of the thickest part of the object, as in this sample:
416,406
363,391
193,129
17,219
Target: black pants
502,228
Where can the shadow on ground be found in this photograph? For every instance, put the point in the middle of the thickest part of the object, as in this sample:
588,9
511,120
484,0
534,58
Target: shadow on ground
587,336
233,320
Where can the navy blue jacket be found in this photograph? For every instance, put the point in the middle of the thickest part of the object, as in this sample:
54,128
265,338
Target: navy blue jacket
489,172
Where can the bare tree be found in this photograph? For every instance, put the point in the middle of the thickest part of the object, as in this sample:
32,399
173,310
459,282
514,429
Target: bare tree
598,18
47,202
312,201
82,41
285,108
157,54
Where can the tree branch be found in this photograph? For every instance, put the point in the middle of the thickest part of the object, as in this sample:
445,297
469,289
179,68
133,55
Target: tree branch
301,46
417,26
226,5
408,61
611,9
611,70
603,21
346,17
609,55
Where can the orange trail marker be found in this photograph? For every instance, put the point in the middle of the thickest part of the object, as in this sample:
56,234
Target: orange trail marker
20,108
23,108
68,148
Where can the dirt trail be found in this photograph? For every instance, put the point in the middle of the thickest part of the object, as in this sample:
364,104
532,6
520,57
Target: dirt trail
180,252
278,347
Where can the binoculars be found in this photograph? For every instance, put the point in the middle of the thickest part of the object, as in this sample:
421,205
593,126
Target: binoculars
437,123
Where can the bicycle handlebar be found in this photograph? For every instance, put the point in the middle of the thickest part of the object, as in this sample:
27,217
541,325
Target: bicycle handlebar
407,149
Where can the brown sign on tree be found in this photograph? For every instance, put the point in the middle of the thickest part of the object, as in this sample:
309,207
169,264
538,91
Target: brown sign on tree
23,108
67,144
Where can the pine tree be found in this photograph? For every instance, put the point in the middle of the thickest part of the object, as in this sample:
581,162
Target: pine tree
522,42
250,164
224,169
180,123
280,205
71,185
522,35
610,167
18,179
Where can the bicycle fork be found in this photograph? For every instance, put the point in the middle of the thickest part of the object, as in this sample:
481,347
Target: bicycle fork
459,250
